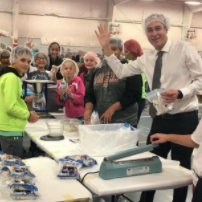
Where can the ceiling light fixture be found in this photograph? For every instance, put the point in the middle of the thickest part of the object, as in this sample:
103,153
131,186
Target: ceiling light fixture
193,2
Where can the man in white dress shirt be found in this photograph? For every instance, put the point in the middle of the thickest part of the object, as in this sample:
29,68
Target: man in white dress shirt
176,67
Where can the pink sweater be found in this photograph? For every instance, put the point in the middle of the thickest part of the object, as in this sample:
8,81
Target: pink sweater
73,108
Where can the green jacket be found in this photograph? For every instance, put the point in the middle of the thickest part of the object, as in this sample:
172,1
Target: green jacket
143,86
13,109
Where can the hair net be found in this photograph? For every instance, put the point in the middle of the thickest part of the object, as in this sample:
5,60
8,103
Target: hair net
41,53
71,61
5,51
97,59
134,47
118,42
68,54
18,53
3,46
156,17
92,55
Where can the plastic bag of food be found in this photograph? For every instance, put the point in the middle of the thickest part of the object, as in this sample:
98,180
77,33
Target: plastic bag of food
10,160
22,186
68,169
24,195
82,159
63,85
5,171
155,98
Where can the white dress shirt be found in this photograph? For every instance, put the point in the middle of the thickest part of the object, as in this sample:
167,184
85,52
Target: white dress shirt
197,162
181,70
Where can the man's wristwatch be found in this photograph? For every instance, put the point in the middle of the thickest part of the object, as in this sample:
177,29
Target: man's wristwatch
180,95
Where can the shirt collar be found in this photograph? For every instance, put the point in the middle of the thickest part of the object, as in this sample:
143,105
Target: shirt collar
166,48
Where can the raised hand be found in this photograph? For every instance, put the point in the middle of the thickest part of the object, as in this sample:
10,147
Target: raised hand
103,35
29,44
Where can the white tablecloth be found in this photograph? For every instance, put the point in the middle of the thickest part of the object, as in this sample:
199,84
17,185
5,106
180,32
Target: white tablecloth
173,175
51,188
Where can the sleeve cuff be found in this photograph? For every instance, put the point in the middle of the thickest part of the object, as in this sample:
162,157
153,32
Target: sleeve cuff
194,139
185,93
180,95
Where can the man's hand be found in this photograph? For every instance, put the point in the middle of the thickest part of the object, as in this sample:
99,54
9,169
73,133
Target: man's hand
159,138
33,117
170,96
107,115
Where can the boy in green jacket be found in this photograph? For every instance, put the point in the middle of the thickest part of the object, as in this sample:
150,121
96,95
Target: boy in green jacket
13,109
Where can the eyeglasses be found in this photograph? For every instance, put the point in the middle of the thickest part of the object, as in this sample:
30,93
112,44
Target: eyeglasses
41,58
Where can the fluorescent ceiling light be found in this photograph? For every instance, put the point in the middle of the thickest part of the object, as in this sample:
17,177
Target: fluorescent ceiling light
193,2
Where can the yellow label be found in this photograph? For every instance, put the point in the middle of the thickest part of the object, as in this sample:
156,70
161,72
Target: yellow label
68,197
34,136
90,177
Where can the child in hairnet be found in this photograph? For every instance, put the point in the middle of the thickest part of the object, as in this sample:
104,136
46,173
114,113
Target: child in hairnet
72,94
13,109
194,141
41,61
5,58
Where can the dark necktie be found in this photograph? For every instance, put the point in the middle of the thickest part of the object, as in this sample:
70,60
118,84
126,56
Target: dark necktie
156,81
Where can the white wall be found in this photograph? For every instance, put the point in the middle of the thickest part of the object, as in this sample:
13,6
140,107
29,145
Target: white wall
138,11
37,20
197,26
74,32
6,15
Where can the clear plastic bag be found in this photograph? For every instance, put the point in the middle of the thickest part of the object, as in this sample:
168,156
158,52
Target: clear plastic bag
155,98
95,118
63,85
71,125
106,139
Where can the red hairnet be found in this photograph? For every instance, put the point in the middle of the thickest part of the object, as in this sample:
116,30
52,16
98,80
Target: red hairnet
134,47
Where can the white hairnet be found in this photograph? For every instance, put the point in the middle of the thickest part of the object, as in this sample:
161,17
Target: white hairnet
118,42
47,58
156,18
3,46
19,52
5,51
68,54
71,61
